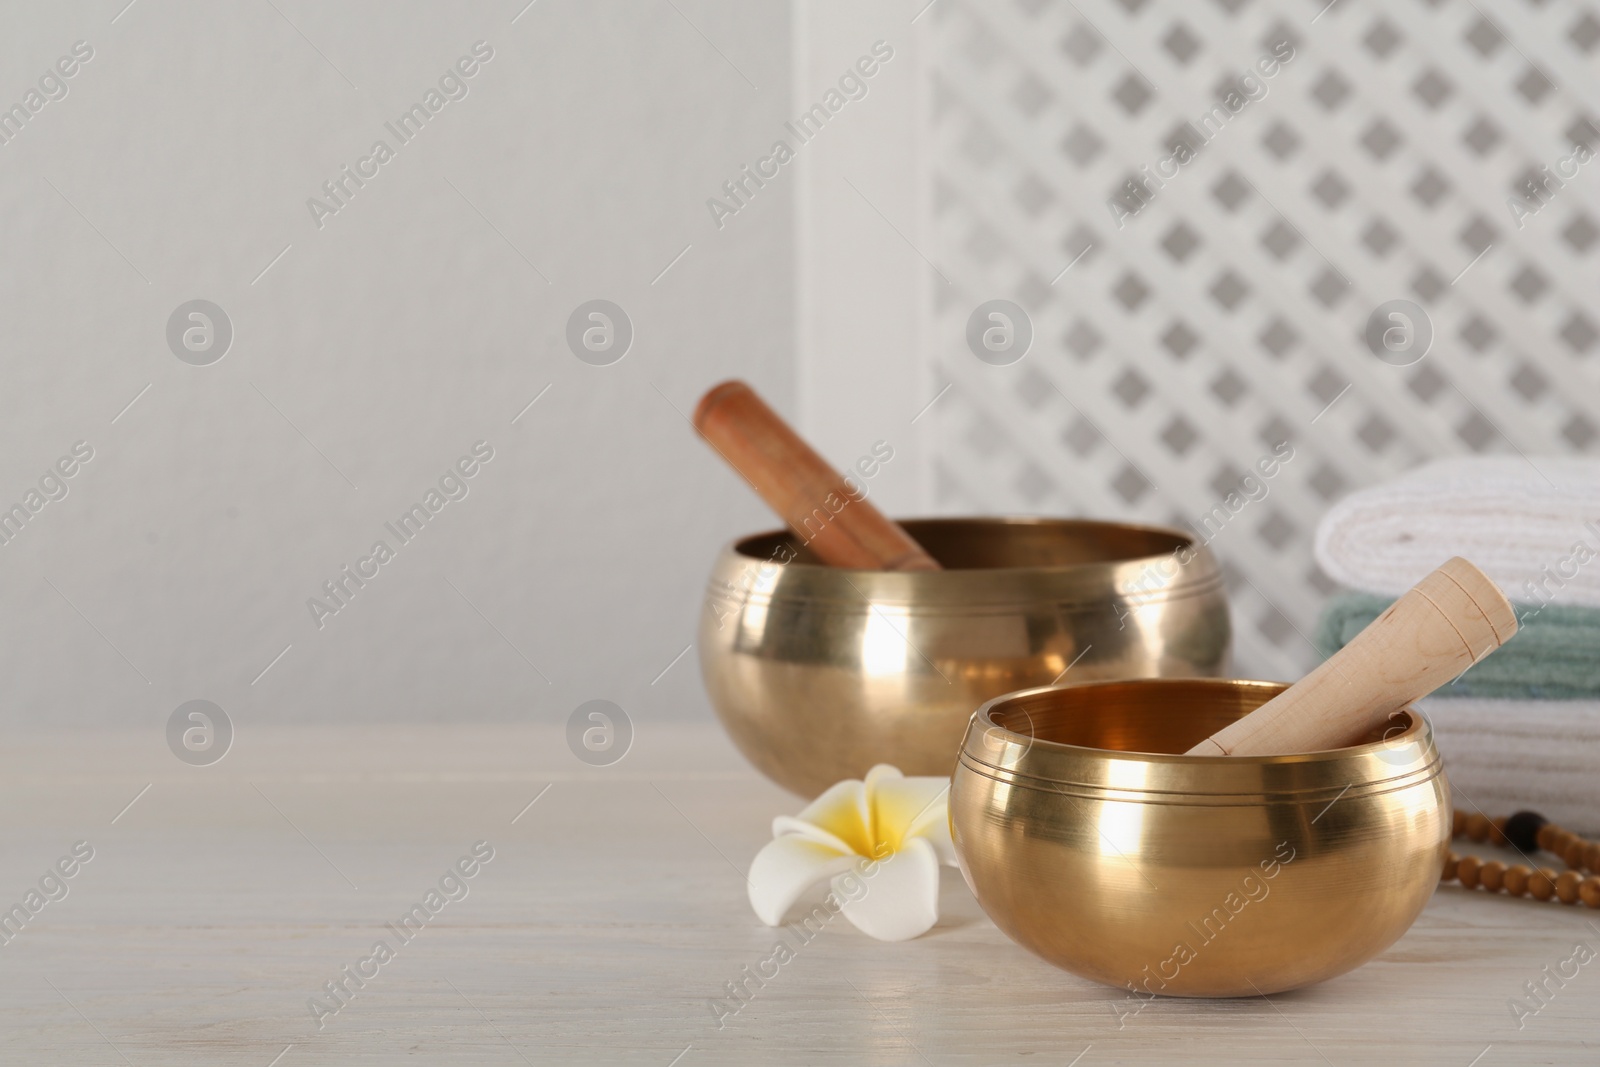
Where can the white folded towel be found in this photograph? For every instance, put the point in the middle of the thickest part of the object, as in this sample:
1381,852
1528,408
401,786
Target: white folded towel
1531,525
1504,756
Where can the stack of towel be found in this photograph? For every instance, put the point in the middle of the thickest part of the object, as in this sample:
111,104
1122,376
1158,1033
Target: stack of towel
1522,728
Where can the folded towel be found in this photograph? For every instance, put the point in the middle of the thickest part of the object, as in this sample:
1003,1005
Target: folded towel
1503,756
1531,525
1554,655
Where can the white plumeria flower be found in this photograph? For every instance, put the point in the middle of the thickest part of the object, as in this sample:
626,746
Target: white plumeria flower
892,831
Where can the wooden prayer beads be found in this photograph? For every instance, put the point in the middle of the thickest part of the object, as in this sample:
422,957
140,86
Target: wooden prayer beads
1527,832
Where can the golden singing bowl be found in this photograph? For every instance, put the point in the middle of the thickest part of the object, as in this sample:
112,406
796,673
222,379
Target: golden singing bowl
1089,841
820,672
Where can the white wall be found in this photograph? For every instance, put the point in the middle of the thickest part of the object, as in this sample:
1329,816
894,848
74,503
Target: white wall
862,291
376,351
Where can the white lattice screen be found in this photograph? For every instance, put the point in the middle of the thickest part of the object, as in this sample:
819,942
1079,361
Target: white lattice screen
1228,313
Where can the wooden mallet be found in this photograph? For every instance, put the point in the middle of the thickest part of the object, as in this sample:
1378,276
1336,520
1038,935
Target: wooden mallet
825,513
1443,625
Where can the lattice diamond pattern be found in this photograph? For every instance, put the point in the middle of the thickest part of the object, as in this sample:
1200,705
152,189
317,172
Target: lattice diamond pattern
1227,315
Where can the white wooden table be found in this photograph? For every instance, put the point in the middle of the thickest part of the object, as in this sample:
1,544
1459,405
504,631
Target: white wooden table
612,913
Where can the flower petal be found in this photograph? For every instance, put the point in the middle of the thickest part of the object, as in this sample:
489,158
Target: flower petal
880,772
901,897
789,824
905,808
785,868
841,811
937,833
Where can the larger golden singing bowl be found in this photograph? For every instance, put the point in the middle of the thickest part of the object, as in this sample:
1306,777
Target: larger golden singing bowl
820,672
1088,840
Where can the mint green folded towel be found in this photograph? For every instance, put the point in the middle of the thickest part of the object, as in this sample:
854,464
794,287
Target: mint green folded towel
1554,655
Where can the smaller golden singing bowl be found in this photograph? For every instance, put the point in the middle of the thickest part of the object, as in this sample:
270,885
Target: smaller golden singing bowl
1092,842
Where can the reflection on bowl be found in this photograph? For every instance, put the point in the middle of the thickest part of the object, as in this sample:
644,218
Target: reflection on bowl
820,672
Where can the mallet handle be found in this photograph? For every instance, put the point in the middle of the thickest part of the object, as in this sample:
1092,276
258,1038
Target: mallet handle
1443,625
840,527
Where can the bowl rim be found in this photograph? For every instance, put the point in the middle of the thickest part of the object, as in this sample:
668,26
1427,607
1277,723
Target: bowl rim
745,575
1018,759
1185,539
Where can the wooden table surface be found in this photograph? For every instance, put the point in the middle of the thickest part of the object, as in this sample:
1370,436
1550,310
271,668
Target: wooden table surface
612,914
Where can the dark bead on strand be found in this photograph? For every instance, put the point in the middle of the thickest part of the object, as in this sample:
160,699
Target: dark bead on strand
1522,830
